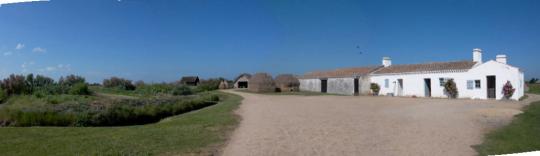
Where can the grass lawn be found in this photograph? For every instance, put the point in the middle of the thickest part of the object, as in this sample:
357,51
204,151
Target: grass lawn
534,88
522,135
301,93
198,132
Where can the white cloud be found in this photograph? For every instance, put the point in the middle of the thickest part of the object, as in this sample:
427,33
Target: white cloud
25,66
39,50
19,46
8,53
2,2
59,67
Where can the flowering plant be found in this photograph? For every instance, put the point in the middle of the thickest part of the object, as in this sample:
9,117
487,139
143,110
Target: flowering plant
508,90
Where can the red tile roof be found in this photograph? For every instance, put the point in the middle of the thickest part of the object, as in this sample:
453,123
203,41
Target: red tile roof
427,67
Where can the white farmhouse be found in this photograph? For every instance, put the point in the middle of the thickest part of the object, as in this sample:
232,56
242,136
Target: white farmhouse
474,79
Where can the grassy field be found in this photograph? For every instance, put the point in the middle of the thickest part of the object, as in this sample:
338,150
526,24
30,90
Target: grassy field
198,132
522,135
534,88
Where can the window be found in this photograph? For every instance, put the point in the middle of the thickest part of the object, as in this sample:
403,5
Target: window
470,84
477,84
386,83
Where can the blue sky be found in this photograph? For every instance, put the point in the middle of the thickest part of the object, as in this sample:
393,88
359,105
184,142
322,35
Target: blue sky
162,40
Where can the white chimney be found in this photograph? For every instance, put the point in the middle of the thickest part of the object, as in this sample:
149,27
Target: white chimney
501,58
386,61
477,55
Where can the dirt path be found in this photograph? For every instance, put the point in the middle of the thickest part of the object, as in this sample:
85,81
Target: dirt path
347,125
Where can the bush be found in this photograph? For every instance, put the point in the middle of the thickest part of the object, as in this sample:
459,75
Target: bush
209,85
181,90
79,89
508,90
450,89
71,80
118,83
375,88
3,95
15,84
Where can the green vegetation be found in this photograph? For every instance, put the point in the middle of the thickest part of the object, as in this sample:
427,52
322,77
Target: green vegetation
199,132
534,88
520,136
375,88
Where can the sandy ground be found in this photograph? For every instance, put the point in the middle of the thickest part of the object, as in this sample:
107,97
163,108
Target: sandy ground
347,125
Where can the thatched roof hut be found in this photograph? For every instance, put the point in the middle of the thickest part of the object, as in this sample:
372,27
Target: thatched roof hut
242,80
261,82
223,84
287,83
190,80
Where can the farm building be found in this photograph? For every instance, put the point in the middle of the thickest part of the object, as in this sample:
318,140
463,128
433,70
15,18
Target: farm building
190,80
474,79
262,82
287,83
242,81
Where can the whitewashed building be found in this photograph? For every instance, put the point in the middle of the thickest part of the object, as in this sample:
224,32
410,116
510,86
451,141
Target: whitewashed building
474,79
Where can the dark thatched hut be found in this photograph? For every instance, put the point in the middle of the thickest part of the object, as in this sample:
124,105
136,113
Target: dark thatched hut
287,83
190,80
261,82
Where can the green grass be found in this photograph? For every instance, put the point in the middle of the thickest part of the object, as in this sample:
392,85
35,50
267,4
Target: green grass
534,88
301,93
522,135
198,132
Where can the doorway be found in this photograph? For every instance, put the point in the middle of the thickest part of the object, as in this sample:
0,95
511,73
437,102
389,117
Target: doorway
356,87
491,84
400,87
427,87
324,84
242,84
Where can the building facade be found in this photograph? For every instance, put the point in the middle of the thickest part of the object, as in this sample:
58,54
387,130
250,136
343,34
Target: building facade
474,79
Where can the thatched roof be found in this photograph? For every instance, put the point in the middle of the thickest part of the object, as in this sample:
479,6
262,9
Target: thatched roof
189,79
242,75
261,82
287,79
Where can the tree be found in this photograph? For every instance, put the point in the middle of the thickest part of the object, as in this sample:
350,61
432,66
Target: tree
375,88
450,89
533,80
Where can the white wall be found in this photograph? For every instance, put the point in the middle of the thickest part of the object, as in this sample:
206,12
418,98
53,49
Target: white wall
413,84
310,85
343,86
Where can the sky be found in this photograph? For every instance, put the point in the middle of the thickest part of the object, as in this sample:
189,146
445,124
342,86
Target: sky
163,40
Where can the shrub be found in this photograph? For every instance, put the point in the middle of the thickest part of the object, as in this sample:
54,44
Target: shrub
181,90
41,81
119,83
375,88
15,84
3,95
79,89
508,90
450,89
71,80
209,84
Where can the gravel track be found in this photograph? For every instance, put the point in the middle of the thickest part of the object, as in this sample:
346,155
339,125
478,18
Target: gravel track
348,125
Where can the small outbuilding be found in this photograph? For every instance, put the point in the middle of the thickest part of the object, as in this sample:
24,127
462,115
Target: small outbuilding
262,82
242,81
287,83
223,84
190,80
